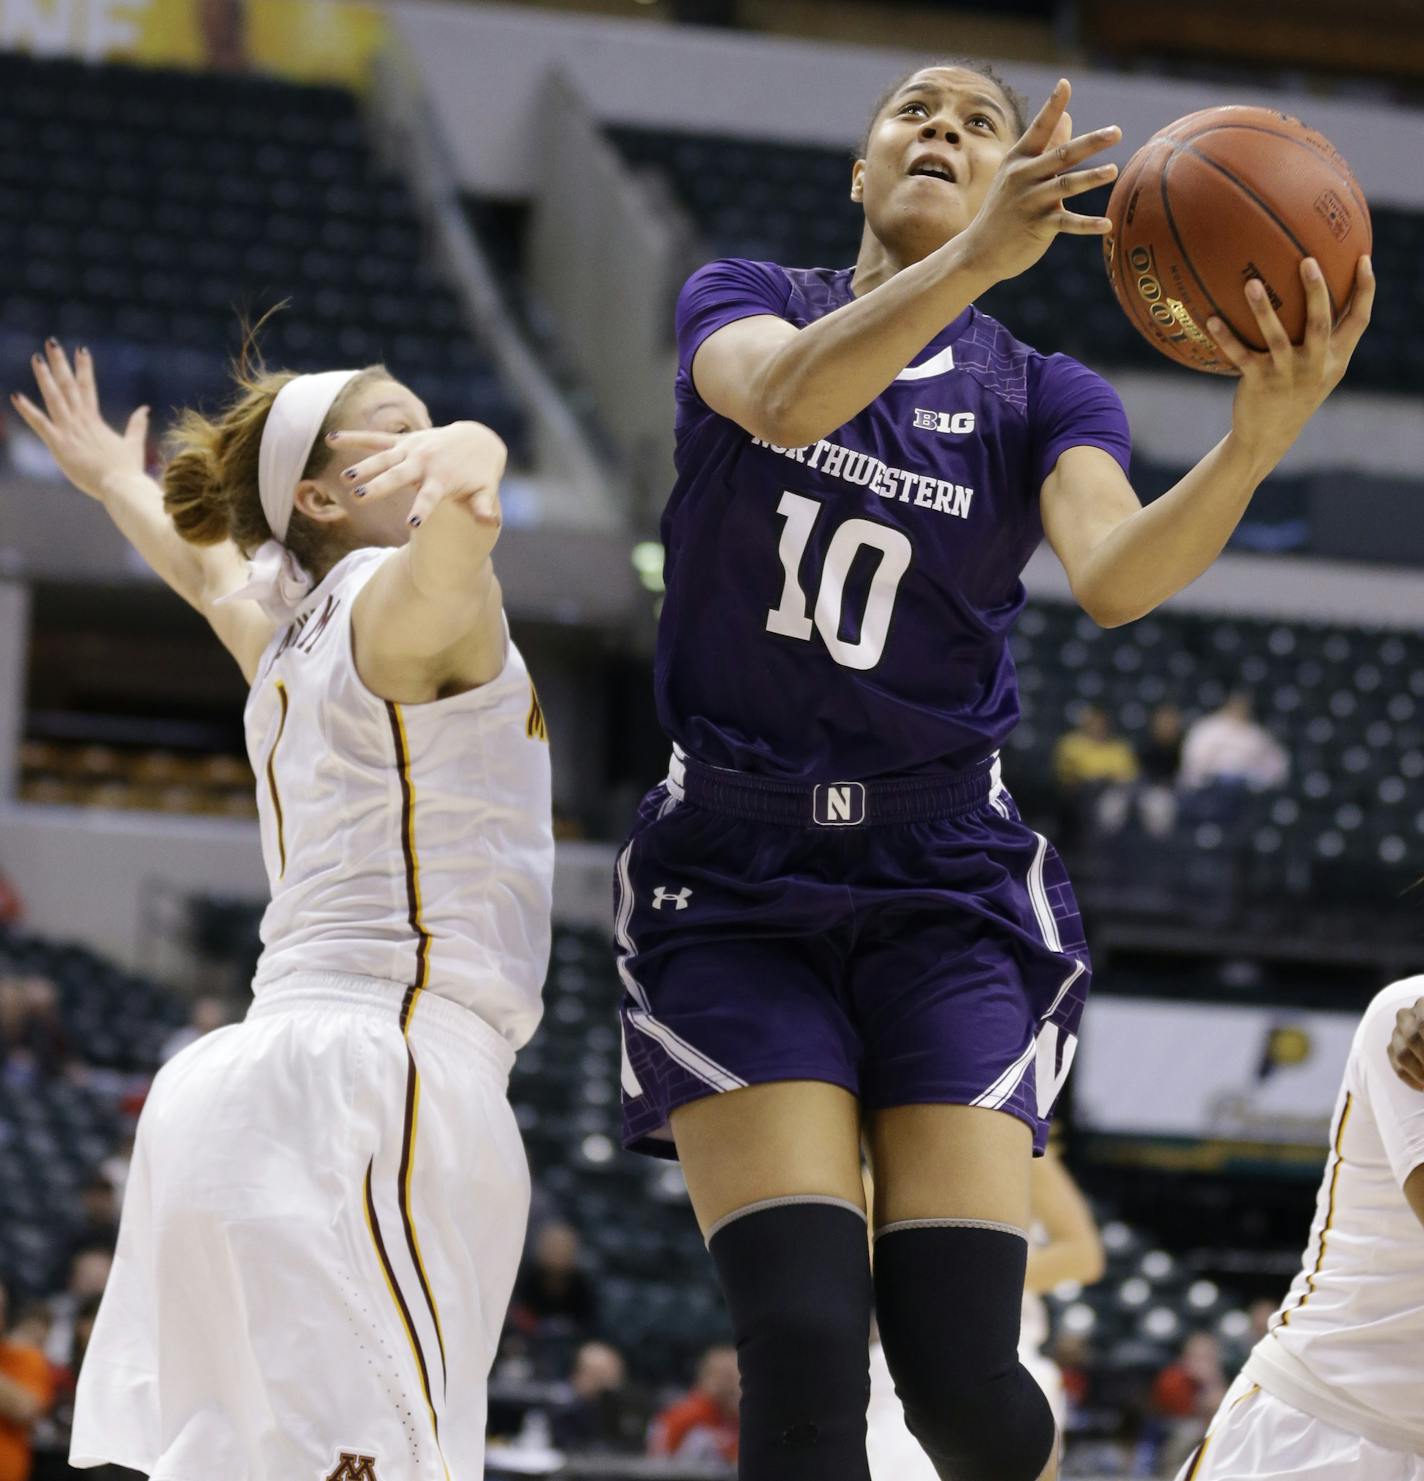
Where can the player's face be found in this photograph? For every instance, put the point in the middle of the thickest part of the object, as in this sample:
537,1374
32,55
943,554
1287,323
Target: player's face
381,406
933,152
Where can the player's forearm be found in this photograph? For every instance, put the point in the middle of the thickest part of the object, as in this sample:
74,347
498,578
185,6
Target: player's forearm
449,554
1050,1265
834,368
135,504
1166,545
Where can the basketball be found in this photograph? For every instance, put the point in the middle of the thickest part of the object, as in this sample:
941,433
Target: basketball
1217,198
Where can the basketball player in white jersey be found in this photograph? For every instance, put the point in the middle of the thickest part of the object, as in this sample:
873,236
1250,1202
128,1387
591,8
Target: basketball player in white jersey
328,1200
1334,1388
1065,1246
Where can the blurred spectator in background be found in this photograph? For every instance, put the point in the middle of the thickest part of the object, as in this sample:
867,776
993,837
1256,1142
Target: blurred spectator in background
1160,752
33,1043
1092,767
1071,1352
12,908
207,1014
26,1392
1185,1395
98,1224
89,1267
1091,752
1261,1310
552,1287
607,1413
115,1167
1152,800
704,1426
1228,748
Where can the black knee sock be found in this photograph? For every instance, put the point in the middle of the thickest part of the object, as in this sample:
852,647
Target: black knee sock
948,1298
796,1278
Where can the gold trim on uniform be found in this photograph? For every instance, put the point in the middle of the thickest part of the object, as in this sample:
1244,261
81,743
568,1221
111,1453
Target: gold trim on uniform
534,726
272,781
373,1227
1339,1155
412,865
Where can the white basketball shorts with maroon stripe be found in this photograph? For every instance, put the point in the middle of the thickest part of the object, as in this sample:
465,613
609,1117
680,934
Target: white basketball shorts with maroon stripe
320,1235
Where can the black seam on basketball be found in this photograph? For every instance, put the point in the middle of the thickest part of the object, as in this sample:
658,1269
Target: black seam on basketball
1266,209
1130,301
1191,267
1344,175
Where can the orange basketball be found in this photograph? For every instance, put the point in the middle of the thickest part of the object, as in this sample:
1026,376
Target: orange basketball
1220,197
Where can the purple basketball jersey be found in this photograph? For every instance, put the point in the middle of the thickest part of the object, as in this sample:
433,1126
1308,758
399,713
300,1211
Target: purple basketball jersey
842,610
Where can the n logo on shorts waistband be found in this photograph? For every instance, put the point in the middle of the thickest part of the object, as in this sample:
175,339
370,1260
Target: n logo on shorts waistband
353,1467
838,804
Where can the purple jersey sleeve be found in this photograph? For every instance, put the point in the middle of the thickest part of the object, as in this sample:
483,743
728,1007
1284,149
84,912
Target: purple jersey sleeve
1073,407
720,294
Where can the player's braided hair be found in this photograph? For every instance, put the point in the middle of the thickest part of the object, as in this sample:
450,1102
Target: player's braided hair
1018,104
210,484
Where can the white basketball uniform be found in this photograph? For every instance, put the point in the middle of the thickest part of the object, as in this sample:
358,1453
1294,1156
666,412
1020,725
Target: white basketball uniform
327,1201
1333,1389
893,1452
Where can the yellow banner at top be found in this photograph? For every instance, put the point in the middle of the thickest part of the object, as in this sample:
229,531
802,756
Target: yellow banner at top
304,40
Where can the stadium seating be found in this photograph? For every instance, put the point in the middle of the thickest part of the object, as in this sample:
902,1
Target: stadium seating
151,207
1348,704
790,203
56,1128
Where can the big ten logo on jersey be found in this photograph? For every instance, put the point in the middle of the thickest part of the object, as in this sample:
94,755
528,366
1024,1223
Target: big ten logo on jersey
351,1466
305,632
957,423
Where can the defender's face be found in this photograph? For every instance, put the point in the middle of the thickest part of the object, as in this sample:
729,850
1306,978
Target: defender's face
932,155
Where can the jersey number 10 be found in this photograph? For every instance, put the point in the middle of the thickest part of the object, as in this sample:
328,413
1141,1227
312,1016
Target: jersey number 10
790,619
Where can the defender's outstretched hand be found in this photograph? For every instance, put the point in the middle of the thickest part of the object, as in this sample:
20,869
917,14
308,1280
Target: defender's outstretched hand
1282,386
1024,210
71,426
462,461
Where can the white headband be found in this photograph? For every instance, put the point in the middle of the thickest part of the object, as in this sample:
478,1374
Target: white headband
292,424
275,578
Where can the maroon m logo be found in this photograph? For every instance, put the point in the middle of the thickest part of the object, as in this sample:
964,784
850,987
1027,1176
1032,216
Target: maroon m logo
352,1467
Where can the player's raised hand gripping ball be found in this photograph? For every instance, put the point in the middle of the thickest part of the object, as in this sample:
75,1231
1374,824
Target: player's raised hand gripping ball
1217,199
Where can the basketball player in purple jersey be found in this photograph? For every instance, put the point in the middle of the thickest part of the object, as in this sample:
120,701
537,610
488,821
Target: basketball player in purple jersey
830,918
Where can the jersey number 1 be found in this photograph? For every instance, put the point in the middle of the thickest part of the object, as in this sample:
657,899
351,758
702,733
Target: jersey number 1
790,619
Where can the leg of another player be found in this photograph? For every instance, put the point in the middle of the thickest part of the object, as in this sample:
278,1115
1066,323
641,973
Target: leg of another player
951,1219
774,1174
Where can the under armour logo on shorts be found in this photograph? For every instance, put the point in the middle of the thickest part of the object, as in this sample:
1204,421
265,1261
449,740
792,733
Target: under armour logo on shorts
679,898
353,1467
838,804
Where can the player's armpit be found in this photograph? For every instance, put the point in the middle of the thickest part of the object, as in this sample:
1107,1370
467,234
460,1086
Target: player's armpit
1414,1191
242,627
733,372
1083,501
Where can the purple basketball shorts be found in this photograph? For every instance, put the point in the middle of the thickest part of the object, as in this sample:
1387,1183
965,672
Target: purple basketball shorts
914,943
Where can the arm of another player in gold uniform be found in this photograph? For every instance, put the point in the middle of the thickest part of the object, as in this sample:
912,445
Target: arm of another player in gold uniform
1074,1250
